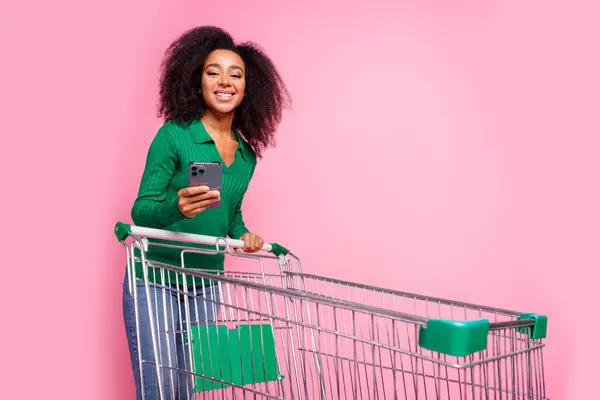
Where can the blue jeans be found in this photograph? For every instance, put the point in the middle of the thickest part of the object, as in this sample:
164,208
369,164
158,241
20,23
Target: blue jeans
170,321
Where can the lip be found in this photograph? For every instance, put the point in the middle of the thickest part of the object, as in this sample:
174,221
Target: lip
224,99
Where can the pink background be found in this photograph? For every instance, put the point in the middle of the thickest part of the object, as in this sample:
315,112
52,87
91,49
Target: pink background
441,147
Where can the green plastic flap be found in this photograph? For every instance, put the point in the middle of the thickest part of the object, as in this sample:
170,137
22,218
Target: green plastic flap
241,356
455,338
539,328
122,231
279,250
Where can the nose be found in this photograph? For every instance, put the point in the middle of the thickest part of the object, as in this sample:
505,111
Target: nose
224,81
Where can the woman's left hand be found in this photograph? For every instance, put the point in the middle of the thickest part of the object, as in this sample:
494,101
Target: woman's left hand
252,243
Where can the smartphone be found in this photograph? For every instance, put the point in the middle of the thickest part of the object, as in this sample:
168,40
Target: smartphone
206,174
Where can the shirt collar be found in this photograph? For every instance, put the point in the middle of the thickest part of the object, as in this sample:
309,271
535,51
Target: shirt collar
200,135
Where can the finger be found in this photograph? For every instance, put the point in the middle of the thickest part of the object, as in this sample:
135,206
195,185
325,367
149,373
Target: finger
241,249
198,210
206,203
259,243
192,213
199,206
255,243
204,196
193,190
247,238
249,244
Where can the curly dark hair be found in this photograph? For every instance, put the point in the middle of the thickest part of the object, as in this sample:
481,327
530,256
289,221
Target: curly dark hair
259,113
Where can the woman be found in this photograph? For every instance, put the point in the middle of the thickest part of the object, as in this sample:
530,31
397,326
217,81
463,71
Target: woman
221,101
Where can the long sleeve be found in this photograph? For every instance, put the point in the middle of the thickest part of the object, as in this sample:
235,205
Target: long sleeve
154,206
237,226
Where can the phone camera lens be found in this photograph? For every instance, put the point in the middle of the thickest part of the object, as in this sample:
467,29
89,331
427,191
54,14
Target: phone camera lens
194,168
201,170
194,174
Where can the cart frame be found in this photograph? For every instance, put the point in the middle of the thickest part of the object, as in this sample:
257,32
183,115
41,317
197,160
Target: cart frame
468,351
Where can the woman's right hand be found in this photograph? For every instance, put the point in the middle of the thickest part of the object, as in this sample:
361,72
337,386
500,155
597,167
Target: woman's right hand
193,200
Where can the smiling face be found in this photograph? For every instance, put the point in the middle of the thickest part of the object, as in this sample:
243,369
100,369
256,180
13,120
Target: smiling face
223,81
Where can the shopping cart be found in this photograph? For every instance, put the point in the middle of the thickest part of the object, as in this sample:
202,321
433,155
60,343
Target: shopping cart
275,332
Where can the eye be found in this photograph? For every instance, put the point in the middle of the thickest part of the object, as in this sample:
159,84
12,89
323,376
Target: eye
236,76
212,73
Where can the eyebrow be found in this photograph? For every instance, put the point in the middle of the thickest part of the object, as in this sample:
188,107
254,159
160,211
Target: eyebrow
219,66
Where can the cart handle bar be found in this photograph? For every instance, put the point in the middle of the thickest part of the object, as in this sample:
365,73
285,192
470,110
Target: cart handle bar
123,230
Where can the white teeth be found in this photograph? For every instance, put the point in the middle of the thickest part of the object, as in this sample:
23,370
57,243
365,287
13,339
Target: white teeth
224,95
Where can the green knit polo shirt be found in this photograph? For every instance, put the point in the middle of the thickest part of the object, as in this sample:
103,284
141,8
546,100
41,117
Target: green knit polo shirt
172,149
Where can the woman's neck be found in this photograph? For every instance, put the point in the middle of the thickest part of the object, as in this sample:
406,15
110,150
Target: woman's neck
220,124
